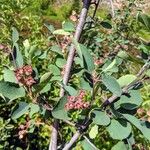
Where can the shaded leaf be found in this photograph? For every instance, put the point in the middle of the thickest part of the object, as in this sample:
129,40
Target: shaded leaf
59,111
84,84
134,100
21,110
119,146
136,122
106,25
11,91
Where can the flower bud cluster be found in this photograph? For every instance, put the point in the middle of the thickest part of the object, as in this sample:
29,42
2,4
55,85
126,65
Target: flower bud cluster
24,75
76,102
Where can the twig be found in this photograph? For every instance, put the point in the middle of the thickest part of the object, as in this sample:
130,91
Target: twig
96,6
86,4
72,141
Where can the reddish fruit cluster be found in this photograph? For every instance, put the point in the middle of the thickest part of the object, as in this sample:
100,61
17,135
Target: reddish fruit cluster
63,70
23,130
143,114
98,61
74,16
24,75
76,102
65,42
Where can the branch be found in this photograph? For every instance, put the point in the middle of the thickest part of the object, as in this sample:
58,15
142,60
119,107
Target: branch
105,104
86,4
72,141
128,87
53,143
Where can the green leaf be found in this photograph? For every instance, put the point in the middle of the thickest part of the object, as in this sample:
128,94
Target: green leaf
34,108
126,79
119,146
87,145
59,111
84,55
144,19
61,32
110,66
56,49
45,77
60,62
70,90
21,110
78,48
85,85
134,100
123,55
54,69
19,57
106,25
93,132
68,26
88,59
15,35
101,118
148,73
9,76
56,78
46,88
136,122
119,129
111,84
10,91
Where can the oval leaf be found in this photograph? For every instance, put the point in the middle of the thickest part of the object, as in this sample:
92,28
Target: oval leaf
119,129
100,118
119,146
21,110
112,84
125,80
93,132
10,91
